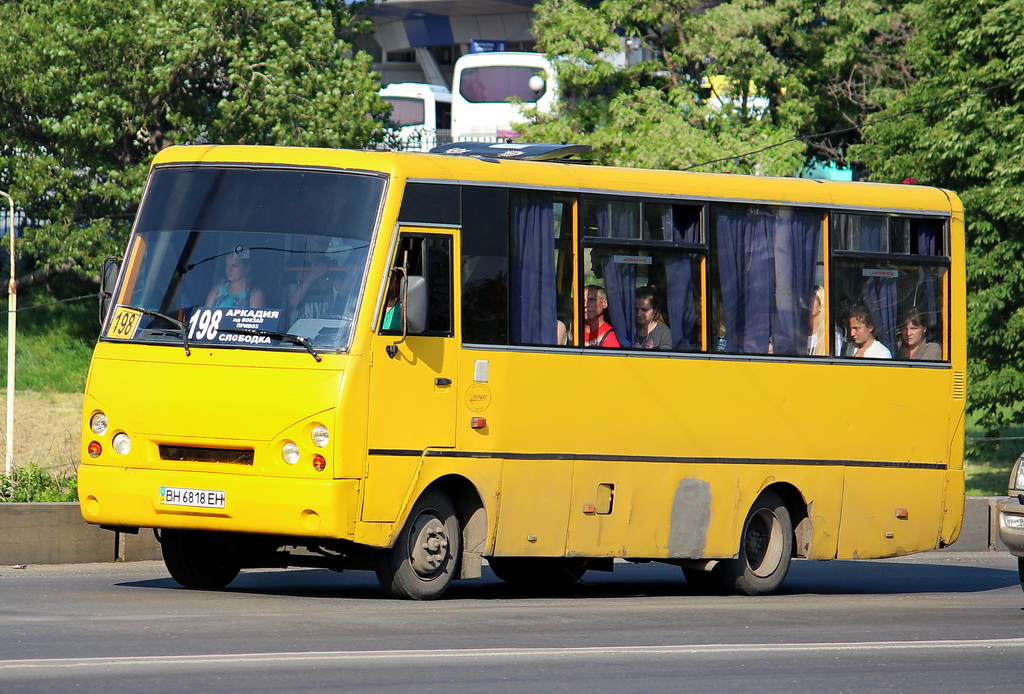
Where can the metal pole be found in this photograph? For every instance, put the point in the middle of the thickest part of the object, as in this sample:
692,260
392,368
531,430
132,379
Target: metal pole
12,308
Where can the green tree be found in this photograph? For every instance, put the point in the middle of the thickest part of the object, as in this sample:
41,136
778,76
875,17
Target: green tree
967,136
91,90
720,78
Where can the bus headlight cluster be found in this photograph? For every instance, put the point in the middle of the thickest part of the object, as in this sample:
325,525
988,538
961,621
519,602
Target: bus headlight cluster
99,425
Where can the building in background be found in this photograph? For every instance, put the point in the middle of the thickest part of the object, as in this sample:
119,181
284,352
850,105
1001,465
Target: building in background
420,40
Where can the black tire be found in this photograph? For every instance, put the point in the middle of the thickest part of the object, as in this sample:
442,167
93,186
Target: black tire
766,548
539,572
201,560
1020,571
422,562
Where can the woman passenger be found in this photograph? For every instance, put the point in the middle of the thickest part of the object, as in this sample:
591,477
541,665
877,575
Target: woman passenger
236,292
862,333
651,331
915,343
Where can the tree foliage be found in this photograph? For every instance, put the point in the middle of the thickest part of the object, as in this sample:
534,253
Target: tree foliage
91,90
719,79
966,136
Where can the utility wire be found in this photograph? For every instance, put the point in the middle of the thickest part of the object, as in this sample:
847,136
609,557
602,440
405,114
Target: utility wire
52,303
866,124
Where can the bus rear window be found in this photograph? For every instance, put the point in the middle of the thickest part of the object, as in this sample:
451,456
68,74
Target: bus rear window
497,84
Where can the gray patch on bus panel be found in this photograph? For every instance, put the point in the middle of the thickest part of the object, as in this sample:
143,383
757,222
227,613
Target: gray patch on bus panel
691,516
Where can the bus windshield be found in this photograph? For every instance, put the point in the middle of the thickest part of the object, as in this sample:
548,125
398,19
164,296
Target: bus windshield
243,257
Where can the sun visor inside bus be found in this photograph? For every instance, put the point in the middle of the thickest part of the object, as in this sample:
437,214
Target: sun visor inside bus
527,151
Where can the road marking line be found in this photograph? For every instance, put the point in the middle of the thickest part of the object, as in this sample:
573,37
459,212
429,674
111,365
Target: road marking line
501,653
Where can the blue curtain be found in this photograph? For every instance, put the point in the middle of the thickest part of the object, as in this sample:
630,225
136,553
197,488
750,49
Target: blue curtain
744,238
532,279
619,278
797,242
881,296
926,294
681,306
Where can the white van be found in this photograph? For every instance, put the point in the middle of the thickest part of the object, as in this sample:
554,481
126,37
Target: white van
421,115
483,84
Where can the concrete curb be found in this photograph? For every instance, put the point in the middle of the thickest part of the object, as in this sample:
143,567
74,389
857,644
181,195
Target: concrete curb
54,533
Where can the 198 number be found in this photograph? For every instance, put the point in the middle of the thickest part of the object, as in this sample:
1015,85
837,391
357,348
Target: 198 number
204,324
124,324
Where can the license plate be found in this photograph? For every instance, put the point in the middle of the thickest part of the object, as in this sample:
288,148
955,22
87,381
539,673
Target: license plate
196,498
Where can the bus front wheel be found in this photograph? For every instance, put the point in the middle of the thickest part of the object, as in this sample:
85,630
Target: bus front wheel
421,564
766,547
199,560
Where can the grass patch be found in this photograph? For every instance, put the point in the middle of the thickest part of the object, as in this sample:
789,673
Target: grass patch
988,457
55,341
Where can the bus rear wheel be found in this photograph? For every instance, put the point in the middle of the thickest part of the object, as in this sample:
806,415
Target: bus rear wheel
766,547
421,564
199,560
539,572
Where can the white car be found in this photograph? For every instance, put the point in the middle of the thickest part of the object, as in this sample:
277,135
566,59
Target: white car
1011,516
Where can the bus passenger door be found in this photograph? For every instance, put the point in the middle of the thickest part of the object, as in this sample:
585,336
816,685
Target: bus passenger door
413,392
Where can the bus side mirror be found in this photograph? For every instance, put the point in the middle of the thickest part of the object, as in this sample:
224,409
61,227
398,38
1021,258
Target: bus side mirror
108,280
415,306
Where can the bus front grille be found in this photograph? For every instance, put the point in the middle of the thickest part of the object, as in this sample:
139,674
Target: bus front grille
239,456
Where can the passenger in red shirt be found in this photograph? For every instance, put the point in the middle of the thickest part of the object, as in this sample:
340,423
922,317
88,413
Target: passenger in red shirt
596,331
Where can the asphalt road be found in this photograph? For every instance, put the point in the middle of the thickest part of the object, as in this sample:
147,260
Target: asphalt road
936,622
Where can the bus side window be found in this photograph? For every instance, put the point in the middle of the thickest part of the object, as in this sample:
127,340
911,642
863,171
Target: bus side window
429,257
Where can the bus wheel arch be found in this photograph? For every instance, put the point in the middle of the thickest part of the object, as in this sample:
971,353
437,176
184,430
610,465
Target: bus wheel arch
443,532
472,516
766,548
799,516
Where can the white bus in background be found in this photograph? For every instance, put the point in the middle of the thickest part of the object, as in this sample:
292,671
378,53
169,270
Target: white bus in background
421,114
482,85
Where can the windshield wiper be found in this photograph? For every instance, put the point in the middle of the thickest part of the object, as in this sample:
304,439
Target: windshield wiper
283,337
182,328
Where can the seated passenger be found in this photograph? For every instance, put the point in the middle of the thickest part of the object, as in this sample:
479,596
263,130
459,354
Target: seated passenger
651,331
862,333
915,343
236,292
311,296
597,332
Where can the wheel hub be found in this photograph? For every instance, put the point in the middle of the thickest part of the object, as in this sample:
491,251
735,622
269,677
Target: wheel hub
429,546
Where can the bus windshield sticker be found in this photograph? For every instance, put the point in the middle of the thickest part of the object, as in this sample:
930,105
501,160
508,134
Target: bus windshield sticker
208,324
124,323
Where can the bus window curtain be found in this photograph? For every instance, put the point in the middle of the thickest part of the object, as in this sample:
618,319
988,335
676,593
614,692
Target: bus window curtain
619,279
532,281
926,294
744,242
797,239
681,306
880,296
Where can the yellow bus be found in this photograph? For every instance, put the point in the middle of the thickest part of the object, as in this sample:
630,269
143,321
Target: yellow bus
416,363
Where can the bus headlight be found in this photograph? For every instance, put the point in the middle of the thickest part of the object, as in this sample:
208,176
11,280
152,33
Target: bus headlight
98,423
290,452
320,435
122,443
